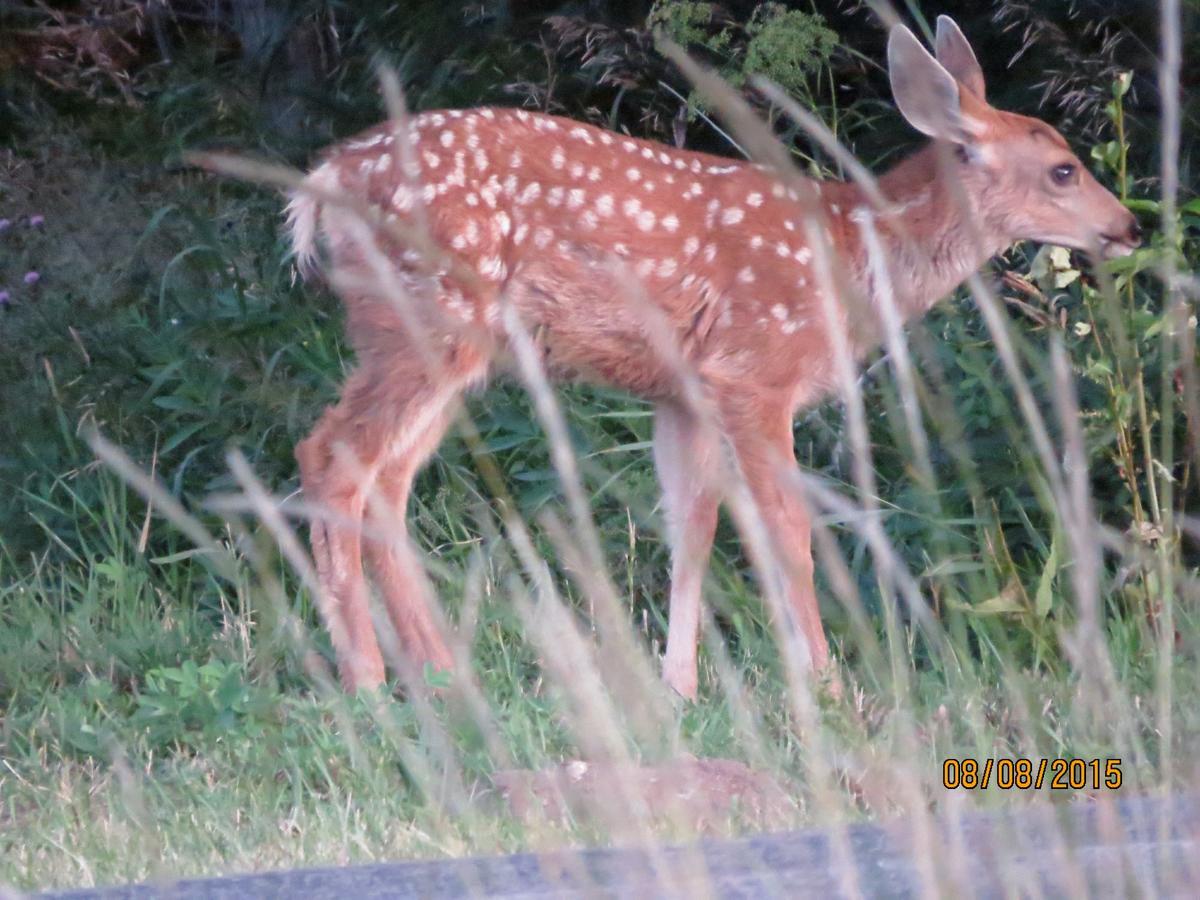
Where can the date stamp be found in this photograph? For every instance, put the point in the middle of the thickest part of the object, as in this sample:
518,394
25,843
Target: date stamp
1022,774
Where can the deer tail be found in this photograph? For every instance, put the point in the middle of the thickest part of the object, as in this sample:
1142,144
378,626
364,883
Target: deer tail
303,211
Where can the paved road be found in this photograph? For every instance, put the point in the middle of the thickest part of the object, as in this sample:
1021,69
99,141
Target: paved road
1130,847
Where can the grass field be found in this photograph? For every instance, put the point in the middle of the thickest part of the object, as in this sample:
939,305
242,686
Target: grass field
166,702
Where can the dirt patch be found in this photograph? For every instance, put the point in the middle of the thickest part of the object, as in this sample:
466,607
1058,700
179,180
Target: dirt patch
699,795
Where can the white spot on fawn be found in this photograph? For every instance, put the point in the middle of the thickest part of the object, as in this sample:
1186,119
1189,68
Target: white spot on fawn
492,268
402,199
732,215
532,191
367,143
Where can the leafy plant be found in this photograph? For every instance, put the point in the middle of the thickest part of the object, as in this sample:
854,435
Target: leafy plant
180,705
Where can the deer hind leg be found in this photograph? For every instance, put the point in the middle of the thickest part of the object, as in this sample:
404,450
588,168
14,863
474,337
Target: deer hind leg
395,563
361,458
687,454
338,460
764,450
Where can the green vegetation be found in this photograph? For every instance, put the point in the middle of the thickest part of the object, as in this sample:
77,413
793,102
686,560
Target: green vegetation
165,704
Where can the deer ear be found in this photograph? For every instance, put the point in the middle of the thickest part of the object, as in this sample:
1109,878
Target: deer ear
925,92
956,55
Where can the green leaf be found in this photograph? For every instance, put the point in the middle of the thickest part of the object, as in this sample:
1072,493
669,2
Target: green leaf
438,679
182,435
1044,598
1153,206
1121,84
177,557
1007,601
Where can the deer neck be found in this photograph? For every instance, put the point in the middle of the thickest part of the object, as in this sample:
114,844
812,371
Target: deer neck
934,236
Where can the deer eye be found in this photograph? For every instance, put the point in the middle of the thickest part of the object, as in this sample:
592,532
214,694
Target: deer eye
1063,174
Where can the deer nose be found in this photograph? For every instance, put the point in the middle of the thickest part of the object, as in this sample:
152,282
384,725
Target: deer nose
1135,233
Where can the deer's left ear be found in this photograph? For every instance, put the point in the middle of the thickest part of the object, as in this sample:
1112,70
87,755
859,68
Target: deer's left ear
927,95
956,55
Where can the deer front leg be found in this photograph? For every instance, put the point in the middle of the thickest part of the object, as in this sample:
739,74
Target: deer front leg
687,455
765,454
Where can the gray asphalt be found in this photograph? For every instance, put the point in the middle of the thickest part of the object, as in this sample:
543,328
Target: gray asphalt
1136,846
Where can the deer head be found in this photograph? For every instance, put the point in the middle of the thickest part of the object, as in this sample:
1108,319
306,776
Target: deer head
1018,173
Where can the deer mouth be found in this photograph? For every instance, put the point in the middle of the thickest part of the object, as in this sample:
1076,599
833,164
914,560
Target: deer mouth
1112,247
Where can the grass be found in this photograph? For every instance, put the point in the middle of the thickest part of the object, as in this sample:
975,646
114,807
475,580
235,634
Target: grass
166,704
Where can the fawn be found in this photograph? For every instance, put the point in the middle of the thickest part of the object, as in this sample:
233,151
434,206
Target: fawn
555,220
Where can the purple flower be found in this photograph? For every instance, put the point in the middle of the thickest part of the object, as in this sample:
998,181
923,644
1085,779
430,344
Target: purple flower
37,221
5,224
32,277
4,299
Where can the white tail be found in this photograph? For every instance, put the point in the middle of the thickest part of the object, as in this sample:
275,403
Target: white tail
565,222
